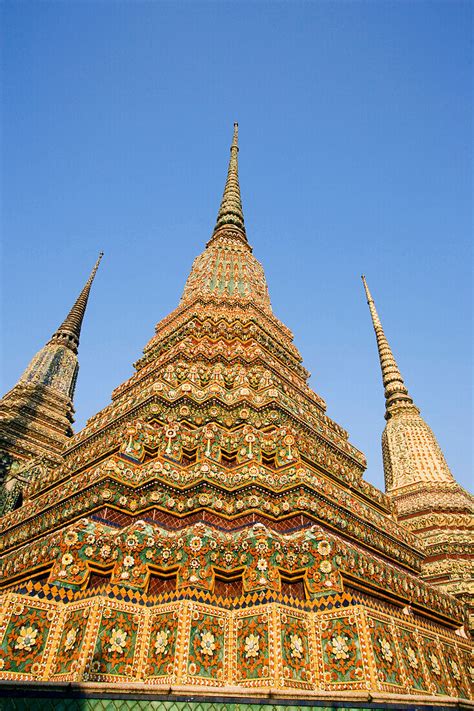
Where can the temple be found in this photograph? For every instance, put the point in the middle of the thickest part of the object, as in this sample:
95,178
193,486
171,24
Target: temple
208,539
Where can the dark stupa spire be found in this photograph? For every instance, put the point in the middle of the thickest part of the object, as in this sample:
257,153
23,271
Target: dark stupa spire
69,332
230,211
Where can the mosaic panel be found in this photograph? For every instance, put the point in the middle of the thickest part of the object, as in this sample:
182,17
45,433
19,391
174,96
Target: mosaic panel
296,642
254,663
341,653
70,647
456,677
433,659
206,657
26,628
116,640
412,658
162,645
385,652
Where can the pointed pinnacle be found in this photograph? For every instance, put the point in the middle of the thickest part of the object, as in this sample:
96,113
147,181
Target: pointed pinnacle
70,330
395,390
230,211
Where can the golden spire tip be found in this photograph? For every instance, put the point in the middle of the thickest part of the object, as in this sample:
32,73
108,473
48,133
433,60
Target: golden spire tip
235,139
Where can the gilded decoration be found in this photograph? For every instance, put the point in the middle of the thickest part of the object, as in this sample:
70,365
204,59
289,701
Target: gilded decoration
210,531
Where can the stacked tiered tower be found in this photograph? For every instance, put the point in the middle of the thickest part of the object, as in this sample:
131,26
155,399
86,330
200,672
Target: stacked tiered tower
428,499
36,415
210,533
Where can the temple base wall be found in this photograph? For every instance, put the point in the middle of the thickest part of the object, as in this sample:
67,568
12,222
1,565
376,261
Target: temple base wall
261,650
134,697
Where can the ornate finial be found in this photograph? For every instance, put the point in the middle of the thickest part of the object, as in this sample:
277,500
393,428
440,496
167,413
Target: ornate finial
235,139
70,330
230,211
395,390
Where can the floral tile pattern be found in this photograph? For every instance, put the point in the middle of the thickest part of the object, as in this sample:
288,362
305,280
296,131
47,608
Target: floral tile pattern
412,657
115,645
23,637
252,651
385,652
189,642
295,636
163,636
206,652
341,651
435,666
70,646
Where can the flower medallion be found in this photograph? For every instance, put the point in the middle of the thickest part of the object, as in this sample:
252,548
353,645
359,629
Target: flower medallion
340,648
27,638
325,566
435,667
118,639
455,669
161,642
386,650
70,640
296,646
208,643
252,646
412,659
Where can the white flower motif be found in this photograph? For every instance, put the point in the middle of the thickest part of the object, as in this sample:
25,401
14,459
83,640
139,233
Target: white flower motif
195,543
208,643
262,564
128,561
455,669
435,664
252,646
325,566
161,641
386,650
118,639
27,638
324,548
105,551
340,648
67,559
296,644
412,659
70,640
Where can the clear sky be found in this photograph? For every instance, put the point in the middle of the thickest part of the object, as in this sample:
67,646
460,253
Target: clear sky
355,156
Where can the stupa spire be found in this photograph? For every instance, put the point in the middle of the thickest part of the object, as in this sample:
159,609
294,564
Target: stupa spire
37,413
69,331
230,211
395,389
227,269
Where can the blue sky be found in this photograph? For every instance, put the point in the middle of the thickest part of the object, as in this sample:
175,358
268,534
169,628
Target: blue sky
355,156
